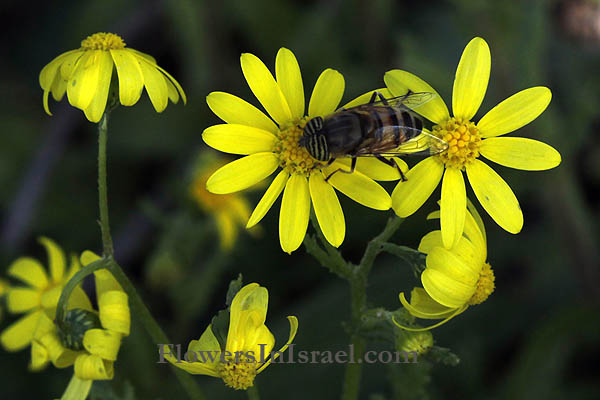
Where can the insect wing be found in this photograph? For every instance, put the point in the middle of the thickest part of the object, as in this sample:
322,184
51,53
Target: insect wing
424,144
409,101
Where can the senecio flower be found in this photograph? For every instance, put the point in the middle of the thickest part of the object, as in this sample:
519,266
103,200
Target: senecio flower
88,339
230,211
40,295
468,141
455,278
268,144
85,75
249,343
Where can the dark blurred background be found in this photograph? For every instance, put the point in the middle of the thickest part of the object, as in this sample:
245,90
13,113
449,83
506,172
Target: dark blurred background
537,336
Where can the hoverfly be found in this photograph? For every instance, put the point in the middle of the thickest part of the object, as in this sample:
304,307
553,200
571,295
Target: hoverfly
382,127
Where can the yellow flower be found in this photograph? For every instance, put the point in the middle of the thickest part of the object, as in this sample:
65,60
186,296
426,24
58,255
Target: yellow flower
40,295
85,75
88,339
230,211
468,140
453,279
269,144
248,346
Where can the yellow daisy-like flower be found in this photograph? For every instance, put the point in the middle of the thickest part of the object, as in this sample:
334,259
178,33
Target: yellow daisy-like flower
248,347
85,75
38,299
468,140
88,339
453,279
230,211
269,144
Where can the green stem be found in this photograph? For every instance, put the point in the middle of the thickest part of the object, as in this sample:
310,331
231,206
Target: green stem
107,244
252,392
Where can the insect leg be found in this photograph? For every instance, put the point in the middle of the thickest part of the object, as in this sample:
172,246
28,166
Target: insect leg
374,97
352,168
383,100
391,163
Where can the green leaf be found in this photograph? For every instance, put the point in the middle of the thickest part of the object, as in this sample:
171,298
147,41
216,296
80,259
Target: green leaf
234,287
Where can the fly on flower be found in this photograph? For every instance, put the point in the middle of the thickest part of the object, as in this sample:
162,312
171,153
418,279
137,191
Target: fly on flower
382,127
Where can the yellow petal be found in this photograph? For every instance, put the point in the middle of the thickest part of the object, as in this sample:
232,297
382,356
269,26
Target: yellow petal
238,139
131,80
78,299
295,210
170,79
446,290
327,209
18,335
265,203
327,93
227,229
88,257
376,169
293,330
20,300
471,80
103,343
156,85
30,271
453,206
83,85
195,368
477,218
473,234
207,342
77,389
105,282
243,173
39,356
420,182
516,111
496,197
265,88
48,73
430,241
172,92
400,82
451,265
114,311
423,306
289,79
59,88
96,107
366,97
56,259
247,313
260,343
520,153
234,110
60,356
90,366
360,188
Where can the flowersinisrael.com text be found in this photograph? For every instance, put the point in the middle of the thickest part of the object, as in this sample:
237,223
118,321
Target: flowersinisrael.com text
291,357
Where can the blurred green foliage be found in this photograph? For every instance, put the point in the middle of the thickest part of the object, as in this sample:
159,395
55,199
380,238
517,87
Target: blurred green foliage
537,336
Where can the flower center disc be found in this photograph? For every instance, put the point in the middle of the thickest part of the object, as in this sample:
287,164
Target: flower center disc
293,157
485,285
103,41
238,375
463,139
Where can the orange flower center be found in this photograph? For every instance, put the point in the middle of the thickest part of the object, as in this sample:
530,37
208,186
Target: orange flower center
103,41
463,139
485,285
293,157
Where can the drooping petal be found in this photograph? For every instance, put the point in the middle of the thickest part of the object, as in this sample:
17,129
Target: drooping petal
423,306
496,197
366,97
59,88
477,218
56,259
83,85
131,80
289,79
430,241
327,93
293,329
90,366
400,82
238,139
234,110
453,206
48,73
248,311
102,342
105,282
420,182
295,210
114,311
172,92
172,80
19,300
95,109
520,153
265,203
29,271
243,173
360,188
18,335
446,290
515,112
327,209
475,236
450,264
207,342
471,80
265,88
155,83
